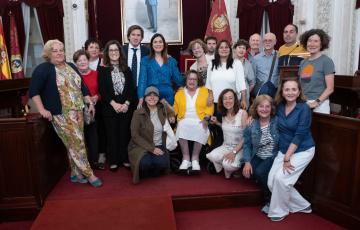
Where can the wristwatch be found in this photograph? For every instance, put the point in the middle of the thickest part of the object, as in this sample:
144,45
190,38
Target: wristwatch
234,151
318,101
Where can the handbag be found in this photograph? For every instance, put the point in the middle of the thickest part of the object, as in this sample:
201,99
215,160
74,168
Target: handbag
88,116
171,142
267,87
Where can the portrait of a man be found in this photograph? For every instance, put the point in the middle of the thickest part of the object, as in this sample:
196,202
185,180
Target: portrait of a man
154,16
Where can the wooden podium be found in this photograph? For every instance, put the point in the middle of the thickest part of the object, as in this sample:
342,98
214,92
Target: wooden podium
289,72
32,157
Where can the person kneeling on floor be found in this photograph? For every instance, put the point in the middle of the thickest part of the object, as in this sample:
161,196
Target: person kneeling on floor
147,151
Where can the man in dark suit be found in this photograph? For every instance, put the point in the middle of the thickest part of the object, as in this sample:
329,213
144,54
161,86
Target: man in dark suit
134,51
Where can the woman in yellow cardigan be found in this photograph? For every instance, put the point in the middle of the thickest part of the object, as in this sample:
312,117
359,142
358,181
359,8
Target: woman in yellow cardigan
193,115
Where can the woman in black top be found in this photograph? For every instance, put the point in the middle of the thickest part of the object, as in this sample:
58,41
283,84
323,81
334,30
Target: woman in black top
117,92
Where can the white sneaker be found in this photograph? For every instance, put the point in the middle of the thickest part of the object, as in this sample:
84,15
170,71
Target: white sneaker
195,165
185,164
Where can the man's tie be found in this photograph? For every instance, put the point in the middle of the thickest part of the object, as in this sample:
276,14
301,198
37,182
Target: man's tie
134,66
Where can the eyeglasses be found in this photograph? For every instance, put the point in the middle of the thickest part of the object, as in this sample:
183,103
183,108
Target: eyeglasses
113,50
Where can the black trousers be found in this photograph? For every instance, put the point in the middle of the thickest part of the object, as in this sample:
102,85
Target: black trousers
118,137
101,130
91,140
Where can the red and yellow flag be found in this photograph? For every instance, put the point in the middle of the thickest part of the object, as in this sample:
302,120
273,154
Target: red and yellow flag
218,25
4,59
17,70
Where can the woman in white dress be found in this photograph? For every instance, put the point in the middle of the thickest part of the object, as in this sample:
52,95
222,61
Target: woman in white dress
193,115
229,154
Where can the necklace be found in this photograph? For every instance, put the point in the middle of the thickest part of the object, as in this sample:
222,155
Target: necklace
230,119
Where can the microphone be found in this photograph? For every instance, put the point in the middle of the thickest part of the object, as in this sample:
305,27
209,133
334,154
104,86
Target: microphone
289,58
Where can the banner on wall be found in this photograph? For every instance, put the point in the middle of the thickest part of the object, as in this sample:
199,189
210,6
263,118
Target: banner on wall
17,69
218,25
4,58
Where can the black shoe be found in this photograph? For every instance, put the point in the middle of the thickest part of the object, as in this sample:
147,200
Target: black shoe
211,168
99,166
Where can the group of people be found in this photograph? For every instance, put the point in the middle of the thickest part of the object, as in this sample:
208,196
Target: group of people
132,94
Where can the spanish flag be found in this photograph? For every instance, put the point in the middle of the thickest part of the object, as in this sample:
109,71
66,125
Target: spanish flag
218,25
4,59
17,69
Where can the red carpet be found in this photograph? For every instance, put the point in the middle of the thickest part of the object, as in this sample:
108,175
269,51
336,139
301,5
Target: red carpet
107,213
119,204
119,184
18,225
247,218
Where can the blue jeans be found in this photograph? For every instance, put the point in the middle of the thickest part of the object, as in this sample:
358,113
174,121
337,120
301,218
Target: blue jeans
152,165
261,170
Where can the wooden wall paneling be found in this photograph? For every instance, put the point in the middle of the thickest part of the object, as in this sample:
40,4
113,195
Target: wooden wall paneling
333,184
32,160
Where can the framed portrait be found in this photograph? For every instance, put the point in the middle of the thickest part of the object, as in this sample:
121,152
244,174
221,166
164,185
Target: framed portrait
154,16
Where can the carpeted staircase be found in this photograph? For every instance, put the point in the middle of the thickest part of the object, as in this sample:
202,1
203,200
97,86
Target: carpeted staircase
169,202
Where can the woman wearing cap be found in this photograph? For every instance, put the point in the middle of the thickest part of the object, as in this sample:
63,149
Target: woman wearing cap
147,151
118,95
159,70
193,115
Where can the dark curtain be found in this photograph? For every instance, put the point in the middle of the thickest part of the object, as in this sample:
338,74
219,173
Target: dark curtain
357,4
250,14
15,9
280,14
50,14
108,21
93,33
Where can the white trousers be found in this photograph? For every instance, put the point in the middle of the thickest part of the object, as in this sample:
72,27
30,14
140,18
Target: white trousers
217,157
324,107
284,197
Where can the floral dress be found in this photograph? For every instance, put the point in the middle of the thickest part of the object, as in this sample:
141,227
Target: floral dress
70,124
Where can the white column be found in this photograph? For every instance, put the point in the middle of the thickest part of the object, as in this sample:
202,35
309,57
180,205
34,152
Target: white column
356,45
304,12
75,26
342,36
231,9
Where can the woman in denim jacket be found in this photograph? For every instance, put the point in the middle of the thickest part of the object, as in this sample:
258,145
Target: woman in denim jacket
261,144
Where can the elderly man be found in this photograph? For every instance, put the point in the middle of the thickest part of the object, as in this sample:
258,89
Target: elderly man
255,43
263,62
292,52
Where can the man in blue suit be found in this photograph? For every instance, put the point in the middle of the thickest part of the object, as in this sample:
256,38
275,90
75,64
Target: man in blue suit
152,13
134,51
